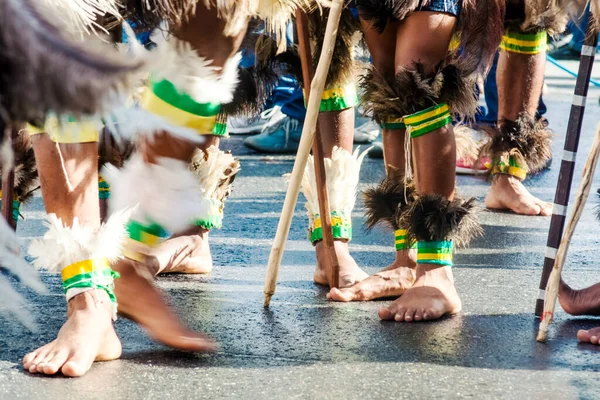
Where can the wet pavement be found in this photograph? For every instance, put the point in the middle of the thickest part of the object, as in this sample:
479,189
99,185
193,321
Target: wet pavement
307,347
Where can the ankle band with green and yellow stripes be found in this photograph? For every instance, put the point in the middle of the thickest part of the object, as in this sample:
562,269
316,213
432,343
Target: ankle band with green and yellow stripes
163,99
338,98
103,188
508,165
213,219
401,244
89,274
397,123
437,252
341,227
524,43
428,120
16,208
141,238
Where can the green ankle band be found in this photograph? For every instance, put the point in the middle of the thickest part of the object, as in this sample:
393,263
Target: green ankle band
94,274
524,43
508,165
150,235
16,209
103,189
438,252
338,98
341,228
390,124
428,120
162,98
401,241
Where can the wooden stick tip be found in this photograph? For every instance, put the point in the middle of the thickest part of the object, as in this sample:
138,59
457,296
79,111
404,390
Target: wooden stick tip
267,302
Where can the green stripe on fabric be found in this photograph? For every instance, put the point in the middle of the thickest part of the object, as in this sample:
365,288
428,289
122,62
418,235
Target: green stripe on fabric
103,190
436,262
539,36
98,275
523,49
437,244
408,119
440,124
338,103
210,222
393,125
339,232
168,93
219,129
136,230
16,209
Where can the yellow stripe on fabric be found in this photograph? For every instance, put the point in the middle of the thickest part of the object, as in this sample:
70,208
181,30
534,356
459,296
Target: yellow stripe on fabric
523,43
177,117
83,267
518,172
434,256
67,132
335,221
421,116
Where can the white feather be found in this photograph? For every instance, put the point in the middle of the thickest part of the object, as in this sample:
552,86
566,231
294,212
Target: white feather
343,173
81,16
177,62
131,122
11,302
276,14
165,193
62,245
210,168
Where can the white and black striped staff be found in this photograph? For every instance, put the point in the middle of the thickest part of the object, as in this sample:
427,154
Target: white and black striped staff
567,166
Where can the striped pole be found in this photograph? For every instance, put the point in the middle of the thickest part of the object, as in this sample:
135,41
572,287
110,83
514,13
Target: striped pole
567,166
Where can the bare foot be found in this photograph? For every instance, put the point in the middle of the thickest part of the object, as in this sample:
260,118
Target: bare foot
508,193
592,336
87,336
392,281
579,302
186,253
142,302
350,273
432,296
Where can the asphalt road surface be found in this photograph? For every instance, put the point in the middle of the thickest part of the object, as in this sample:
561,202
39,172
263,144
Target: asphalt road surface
307,347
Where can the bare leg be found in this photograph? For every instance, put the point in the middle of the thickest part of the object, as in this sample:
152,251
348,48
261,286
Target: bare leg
424,37
393,280
185,252
337,128
88,334
520,79
152,313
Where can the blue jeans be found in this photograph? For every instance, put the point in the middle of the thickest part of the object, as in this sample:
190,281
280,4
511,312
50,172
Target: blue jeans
288,93
490,89
578,31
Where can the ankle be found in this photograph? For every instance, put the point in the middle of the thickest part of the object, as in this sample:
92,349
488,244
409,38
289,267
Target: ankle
406,258
91,299
435,271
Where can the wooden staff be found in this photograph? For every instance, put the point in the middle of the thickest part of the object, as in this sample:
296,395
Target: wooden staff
8,186
567,166
308,73
308,133
561,255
